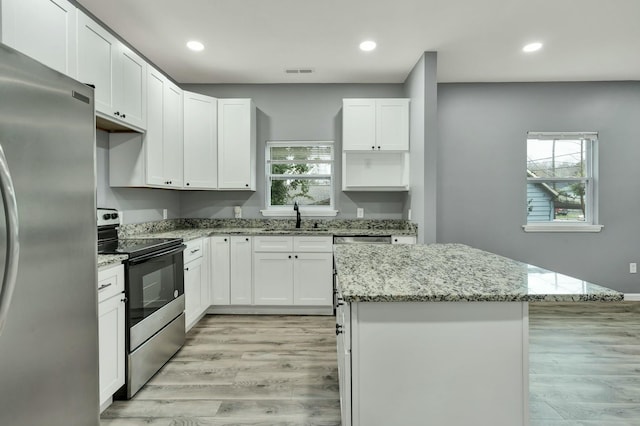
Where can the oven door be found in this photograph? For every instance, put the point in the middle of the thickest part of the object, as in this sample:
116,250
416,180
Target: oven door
155,293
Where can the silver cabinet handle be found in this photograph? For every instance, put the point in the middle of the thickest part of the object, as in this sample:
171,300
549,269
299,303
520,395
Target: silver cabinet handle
103,286
195,251
13,242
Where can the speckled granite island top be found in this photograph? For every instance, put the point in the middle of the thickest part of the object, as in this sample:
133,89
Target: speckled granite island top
451,273
105,260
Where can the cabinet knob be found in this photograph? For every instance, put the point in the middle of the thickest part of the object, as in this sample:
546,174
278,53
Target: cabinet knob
124,300
117,113
378,148
124,116
395,239
186,269
246,239
338,329
188,184
289,256
296,256
373,147
247,185
225,240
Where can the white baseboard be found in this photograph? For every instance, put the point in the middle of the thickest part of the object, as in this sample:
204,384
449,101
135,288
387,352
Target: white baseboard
634,297
271,310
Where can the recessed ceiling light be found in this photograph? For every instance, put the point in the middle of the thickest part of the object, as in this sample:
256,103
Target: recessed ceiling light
368,45
532,47
196,46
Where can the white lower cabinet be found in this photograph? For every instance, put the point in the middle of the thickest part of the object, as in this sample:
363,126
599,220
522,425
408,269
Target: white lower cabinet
240,273
196,281
293,271
343,341
111,332
220,270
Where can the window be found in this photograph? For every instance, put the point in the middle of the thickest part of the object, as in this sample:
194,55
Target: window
299,172
561,182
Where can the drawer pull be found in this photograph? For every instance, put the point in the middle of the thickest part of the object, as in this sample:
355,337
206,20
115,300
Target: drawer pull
338,329
103,286
195,251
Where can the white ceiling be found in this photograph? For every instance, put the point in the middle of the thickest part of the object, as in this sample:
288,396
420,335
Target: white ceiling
254,41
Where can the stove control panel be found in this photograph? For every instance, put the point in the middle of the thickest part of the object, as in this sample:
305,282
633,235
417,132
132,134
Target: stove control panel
108,217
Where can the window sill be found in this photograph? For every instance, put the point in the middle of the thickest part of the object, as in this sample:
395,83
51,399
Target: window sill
304,212
548,227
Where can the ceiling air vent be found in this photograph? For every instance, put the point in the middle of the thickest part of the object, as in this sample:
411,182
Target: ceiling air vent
298,71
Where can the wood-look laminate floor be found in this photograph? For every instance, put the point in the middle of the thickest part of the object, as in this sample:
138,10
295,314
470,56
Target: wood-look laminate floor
281,370
584,364
243,370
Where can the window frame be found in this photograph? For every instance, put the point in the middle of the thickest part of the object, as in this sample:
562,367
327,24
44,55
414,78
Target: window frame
305,210
590,223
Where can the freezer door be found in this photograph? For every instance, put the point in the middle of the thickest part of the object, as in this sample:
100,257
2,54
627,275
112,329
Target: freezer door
49,342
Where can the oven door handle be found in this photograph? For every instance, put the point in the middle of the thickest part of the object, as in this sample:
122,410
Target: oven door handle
151,256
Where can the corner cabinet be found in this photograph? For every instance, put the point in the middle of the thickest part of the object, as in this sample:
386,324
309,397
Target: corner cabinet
200,141
42,29
236,144
118,74
111,332
375,145
163,141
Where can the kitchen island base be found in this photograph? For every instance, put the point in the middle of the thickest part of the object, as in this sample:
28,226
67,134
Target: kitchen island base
440,363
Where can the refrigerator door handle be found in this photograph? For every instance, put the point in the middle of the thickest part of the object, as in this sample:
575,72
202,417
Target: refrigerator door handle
13,243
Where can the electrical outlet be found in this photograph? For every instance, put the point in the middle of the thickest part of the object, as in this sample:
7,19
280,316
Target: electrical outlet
359,213
633,268
165,214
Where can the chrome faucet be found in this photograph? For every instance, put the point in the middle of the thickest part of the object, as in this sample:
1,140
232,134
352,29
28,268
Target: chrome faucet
297,210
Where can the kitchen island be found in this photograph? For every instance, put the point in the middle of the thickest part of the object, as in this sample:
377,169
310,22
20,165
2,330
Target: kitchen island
438,334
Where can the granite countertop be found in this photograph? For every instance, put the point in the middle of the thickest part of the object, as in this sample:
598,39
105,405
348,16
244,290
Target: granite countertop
451,273
105,260
191,234
189,229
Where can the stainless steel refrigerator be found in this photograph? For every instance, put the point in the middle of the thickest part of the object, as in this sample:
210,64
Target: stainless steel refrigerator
48,296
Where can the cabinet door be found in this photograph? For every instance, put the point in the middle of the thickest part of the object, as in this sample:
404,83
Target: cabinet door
192,291
111,333
358,124
131,87
236,144
220,269
273,278
343,320
205,277
42,29
241,273
392,124
96,53
173,135
200,141
313,279
154,137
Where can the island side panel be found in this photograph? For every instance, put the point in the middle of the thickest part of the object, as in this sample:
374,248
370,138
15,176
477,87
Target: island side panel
440,363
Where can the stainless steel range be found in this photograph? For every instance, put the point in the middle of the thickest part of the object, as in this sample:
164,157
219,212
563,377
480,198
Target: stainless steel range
154,287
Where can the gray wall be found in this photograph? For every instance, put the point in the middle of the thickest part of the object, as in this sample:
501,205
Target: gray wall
421,87
482,182
137,204
295,112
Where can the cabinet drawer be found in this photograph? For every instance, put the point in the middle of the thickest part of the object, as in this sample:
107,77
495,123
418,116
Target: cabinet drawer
193,250
403,239
313,244
110,282
273,244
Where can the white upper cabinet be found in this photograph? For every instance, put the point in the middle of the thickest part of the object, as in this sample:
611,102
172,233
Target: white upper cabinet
163,139
42,29
358,124
375,124
236,144
200,141
118,74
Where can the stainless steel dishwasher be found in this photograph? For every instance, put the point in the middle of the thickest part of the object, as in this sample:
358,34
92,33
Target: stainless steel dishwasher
354,239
